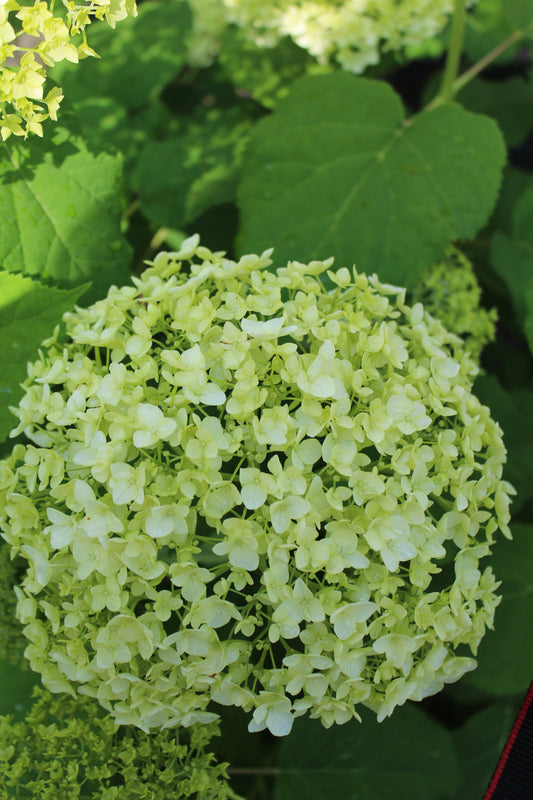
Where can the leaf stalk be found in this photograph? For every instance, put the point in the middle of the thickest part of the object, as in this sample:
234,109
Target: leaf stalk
455,48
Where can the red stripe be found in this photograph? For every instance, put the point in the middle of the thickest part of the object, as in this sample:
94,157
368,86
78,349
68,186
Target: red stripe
509,746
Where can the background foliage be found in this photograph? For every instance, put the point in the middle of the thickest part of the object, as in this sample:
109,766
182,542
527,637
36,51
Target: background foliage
258,151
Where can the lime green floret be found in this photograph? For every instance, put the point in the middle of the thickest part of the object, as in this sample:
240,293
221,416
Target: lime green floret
32,38
69,748
242,488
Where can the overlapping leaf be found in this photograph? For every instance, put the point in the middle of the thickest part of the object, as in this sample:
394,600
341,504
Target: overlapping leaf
179,178
17,686
486,27
509,102
138,59
512,411
338,170
506,654
60,212
406,757
512,253
520,14
479,745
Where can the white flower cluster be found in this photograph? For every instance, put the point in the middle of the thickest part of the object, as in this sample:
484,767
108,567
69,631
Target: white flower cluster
350,32
244,488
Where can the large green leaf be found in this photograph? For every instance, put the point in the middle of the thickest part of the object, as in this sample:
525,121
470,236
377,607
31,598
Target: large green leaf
479,745
406,757
506,654
520,14
60,212
28,313
338,170
512,253
138,59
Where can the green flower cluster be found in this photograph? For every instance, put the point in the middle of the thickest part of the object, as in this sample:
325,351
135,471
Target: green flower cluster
68,748
245,488
33,37
450,292
352,33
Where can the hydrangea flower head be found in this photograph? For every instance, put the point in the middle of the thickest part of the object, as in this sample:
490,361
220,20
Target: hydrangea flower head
351,33
242,488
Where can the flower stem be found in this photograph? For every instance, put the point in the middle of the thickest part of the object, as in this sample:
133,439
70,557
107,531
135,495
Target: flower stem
254,771
455,49
473,71
484,62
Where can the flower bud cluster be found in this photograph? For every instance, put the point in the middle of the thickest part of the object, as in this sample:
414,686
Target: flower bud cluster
450,291
65,746
352,33
245,488
33,37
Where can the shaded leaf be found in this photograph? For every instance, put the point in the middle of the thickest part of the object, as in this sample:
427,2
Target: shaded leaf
406,757
138,59
486,27
180,178
509,102
111,127
515,183
60,212
479,744
513,412
520,14
16,688
28,313
338,170
506,654
512,253
528,326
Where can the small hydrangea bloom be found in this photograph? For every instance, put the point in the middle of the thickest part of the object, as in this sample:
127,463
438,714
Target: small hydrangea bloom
351,33
32,39
450,291
283,500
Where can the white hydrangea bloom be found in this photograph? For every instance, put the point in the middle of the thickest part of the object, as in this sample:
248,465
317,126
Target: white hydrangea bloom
238,487
349,32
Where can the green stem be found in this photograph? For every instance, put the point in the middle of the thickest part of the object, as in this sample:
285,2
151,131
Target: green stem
475,70
484,62
455,49
131,209
253,771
